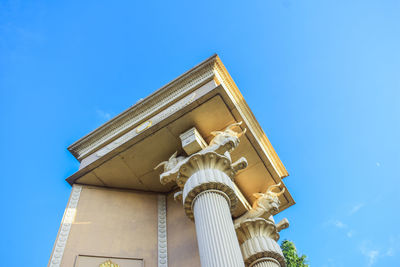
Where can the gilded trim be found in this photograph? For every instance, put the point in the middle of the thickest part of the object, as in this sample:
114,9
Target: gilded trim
143,126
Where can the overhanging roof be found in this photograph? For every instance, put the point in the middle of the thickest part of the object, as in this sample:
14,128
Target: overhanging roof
123,152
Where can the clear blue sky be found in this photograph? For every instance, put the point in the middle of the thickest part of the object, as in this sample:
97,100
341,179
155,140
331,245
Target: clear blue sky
322,78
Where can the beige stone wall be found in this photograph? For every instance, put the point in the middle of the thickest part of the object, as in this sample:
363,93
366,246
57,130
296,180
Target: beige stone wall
182,241
113,223
123,224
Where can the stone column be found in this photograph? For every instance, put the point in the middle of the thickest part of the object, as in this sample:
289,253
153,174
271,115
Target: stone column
257,238
208,198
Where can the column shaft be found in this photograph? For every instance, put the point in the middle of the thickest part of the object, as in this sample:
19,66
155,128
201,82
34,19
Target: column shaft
218,245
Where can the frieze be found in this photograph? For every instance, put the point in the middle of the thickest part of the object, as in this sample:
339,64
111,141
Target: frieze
138,112
146,125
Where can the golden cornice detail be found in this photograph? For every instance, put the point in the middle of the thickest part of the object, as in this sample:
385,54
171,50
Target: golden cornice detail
237,97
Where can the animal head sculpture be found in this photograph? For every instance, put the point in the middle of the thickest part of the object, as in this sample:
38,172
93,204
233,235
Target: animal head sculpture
171,167
228,139
170,163
269,200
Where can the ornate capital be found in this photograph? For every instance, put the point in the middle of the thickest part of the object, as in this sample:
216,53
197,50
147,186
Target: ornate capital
208,169
257,231
257,238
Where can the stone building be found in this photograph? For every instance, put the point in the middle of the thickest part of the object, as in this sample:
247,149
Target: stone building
185,177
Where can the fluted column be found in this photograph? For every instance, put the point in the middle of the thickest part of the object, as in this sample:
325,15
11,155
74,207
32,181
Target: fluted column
257,238
208,198
218,245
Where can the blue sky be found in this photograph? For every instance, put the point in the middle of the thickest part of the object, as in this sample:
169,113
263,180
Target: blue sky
322,78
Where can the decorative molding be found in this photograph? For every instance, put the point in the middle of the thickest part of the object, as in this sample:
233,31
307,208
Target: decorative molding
145,125
144,109
162,232
65,228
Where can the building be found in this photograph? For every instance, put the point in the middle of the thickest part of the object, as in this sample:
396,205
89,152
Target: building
185,177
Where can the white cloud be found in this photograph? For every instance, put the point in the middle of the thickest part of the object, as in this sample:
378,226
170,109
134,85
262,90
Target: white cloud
342,227
339,224
103,115
394,246
350,233
356,208
371,254
390,252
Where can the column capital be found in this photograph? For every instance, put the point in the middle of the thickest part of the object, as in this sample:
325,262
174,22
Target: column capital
257,238
208,169
257,231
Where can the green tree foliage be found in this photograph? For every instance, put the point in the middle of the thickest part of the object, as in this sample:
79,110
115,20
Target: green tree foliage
291,257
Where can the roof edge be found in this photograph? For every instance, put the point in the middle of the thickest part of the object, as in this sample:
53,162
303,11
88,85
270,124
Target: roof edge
107,132
244,109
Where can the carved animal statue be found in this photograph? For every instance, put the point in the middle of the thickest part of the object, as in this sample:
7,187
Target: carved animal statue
265,205
226,140
171,162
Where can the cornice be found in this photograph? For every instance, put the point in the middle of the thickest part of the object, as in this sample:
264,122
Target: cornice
226,80
211,68
133,116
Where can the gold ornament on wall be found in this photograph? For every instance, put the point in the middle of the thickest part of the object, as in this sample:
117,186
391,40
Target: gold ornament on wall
109,264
